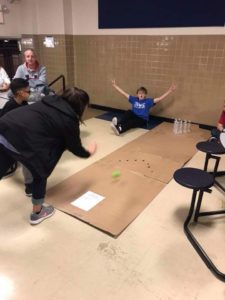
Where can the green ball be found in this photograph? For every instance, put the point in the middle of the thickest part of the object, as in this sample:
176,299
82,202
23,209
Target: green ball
116,174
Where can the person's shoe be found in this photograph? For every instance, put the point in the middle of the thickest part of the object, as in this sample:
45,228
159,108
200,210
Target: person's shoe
114,128
213,139
28,189
46,212
114,121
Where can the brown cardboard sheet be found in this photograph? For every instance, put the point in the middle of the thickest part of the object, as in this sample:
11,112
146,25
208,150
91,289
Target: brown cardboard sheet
146,165
163,142
125,196
157,153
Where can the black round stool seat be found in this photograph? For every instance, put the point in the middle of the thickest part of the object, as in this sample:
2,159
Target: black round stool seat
193,178
210,147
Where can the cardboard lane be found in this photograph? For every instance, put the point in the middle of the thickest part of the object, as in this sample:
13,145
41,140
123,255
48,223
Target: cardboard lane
146,164
157,153
125,196
161,141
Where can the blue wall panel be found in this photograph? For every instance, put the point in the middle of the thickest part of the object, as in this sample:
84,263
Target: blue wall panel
160,13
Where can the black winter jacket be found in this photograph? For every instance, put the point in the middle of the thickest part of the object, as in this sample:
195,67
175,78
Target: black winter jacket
10,105
41,132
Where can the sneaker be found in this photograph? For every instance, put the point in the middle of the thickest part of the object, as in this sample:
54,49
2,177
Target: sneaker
28,189
114,121
116,131
46,212
212,139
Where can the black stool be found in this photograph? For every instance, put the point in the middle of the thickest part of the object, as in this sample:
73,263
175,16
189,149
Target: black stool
199,181
212,149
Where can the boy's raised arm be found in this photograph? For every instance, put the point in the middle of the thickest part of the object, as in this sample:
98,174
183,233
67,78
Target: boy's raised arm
171,89
119,89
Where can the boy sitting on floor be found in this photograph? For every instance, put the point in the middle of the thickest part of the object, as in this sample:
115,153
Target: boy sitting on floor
139,113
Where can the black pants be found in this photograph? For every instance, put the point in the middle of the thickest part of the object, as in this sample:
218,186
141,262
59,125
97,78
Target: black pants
8,158
130,120
216,133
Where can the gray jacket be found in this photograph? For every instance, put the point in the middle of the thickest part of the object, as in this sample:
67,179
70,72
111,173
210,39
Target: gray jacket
37,78
37,81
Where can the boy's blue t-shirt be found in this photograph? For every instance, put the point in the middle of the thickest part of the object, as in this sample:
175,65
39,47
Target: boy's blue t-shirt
141,107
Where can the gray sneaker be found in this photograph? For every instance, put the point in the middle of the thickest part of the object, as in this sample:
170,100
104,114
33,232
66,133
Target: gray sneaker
46,212
114,121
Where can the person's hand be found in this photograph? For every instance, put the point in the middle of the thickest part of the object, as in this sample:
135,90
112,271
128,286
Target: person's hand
113,82
4,87
172,88
92,148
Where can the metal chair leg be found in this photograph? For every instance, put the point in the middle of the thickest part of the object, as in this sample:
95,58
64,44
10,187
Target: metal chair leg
198,206
196,245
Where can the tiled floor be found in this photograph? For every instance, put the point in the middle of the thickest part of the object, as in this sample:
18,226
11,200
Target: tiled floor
65,259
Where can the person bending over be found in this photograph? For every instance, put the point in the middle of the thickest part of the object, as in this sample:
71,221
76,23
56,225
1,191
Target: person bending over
37,135
139,114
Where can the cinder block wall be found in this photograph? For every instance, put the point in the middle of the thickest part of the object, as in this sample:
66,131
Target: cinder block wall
195,63
58,60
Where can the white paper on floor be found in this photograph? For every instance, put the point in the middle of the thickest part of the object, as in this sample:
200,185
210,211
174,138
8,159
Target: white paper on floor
87,201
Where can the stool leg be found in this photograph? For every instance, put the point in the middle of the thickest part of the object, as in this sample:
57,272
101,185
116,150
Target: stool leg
198,206
207,157
195,243
194,194
217,158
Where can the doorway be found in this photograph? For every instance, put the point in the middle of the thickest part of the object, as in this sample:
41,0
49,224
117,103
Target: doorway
10,55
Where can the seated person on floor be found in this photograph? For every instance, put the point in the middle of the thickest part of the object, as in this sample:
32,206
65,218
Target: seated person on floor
4,83
215,133
20,91
35,73
20,94
139,114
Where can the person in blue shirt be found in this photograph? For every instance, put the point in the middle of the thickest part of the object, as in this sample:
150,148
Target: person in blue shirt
140,105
